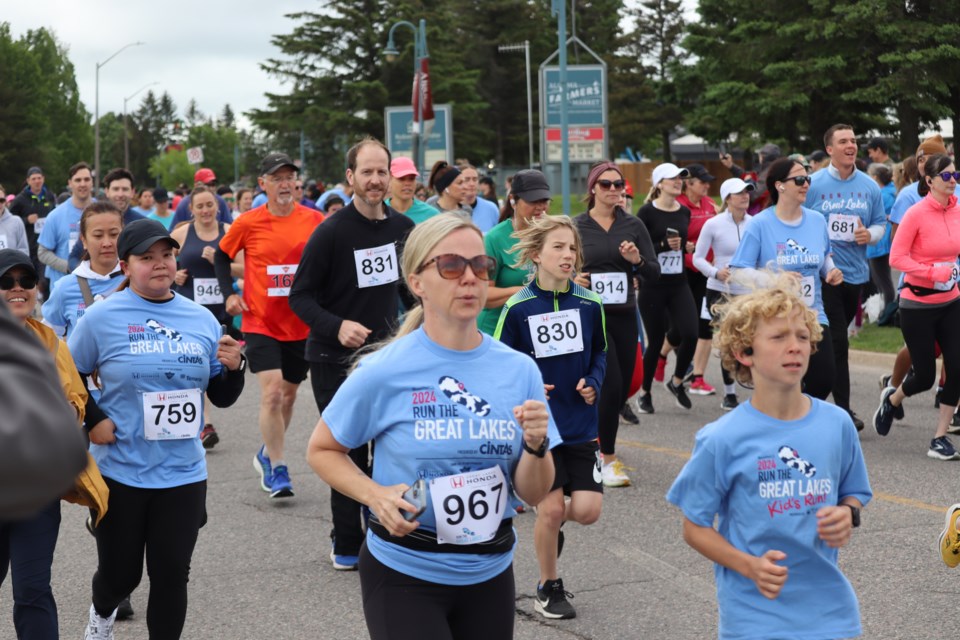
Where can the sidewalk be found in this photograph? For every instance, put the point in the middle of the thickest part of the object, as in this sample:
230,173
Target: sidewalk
873,359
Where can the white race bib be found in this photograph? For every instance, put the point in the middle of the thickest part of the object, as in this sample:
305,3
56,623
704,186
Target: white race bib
172,415
556,333
671,262
376,266
469,506
38,225
808,290
841,227
611,287
74,236
947,286
280,279
4,244
207,291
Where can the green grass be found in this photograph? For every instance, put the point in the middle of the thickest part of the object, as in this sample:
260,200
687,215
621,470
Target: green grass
577,205
879,339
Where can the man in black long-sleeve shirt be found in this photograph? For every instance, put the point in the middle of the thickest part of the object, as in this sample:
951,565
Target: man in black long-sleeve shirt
347,290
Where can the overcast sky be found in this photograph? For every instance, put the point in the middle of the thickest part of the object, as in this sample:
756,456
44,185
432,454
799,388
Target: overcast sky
208,50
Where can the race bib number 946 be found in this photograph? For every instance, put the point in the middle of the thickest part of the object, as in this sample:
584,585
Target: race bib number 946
172,415
469,506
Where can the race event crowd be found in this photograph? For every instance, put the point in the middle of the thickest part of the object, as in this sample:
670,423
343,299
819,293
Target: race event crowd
472,357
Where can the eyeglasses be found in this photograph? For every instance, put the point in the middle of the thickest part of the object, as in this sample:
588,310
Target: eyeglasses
611,184
9,281
450,266
278,180
946,175
798,180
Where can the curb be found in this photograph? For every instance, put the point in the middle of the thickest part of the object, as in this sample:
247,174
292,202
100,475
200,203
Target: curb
873,359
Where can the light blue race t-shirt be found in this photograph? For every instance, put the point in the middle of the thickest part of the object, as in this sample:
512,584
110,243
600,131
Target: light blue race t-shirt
434,412
770,243
766,479
839,201
66,306
60,232
138,346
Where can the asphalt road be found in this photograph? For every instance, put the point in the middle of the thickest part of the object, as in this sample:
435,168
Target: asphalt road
261,567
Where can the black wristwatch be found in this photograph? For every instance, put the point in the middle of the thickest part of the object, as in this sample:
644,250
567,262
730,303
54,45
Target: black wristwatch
855,513
542,451
243,364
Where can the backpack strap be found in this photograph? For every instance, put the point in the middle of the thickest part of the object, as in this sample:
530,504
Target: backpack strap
85,290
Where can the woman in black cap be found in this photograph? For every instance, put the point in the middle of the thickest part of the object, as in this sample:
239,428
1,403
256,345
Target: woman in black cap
155,354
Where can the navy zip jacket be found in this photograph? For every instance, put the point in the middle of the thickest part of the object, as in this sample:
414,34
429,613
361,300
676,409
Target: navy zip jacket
576,420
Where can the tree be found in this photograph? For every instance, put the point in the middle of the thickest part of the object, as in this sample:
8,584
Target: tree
172,169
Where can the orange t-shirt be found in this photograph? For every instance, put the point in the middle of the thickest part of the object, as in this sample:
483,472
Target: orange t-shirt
272,246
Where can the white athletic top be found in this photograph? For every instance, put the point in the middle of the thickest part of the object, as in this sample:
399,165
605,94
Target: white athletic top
721,234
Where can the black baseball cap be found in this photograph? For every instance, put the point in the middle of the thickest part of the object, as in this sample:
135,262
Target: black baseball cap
699,172
10,258
530,185
160,195
273,162
140,235
34,170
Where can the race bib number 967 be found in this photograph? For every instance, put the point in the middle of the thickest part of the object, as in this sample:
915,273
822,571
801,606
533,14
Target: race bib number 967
469,506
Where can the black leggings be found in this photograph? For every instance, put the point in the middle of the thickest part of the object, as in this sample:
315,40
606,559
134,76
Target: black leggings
713,297
698,287
622,332
165,523
819,379
655,304
347,532
922,328
401,607
840,303
882,278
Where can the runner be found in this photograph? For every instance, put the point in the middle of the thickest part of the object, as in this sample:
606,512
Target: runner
61,229
403,185
484,213
528,200
196,277
561,326
272,238
33,205
98,275
616,248
790,237
949,540
145,427
667,221
439,409
925,250
347,291
721,235
776,561
447,183
13,235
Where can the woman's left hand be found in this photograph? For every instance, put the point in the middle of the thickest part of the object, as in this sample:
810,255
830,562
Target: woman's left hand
691,247
228,353
533,419
834,277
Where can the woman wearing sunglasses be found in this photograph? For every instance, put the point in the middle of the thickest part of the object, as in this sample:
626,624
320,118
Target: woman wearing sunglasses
27,546
616,248
437,560
925,249
789,237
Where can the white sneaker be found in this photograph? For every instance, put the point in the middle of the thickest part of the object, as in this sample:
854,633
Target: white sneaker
99,628
614,475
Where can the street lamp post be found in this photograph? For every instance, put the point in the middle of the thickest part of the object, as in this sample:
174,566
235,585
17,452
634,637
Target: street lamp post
559,8
419,53
525,47
126,136
96,113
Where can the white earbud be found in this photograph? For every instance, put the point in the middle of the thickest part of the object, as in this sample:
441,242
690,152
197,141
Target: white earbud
781,189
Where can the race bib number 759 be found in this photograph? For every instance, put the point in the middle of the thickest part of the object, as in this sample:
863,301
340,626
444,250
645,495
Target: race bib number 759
172,415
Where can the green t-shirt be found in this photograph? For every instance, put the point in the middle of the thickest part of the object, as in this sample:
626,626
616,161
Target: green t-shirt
498,242
419,211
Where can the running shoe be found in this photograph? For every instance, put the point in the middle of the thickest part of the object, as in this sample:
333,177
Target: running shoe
551,601
949,542
613,475
627,414
942,449
680,393
209,437
885,381
883,417
262,464
645,403
99,628
280,486
954,423
661,367
857,422
730,402
344,563
700,387
124,609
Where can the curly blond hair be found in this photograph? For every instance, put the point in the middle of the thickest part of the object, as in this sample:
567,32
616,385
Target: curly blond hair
531,240
738,318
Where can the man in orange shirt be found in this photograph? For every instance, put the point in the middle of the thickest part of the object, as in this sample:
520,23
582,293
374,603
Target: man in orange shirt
272,238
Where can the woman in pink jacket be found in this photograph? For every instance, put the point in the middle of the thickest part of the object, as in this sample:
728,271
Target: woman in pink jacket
925,249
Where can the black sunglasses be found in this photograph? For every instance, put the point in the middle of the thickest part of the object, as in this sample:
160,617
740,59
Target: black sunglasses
450,266
946,175
798,180
9,281
611,184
